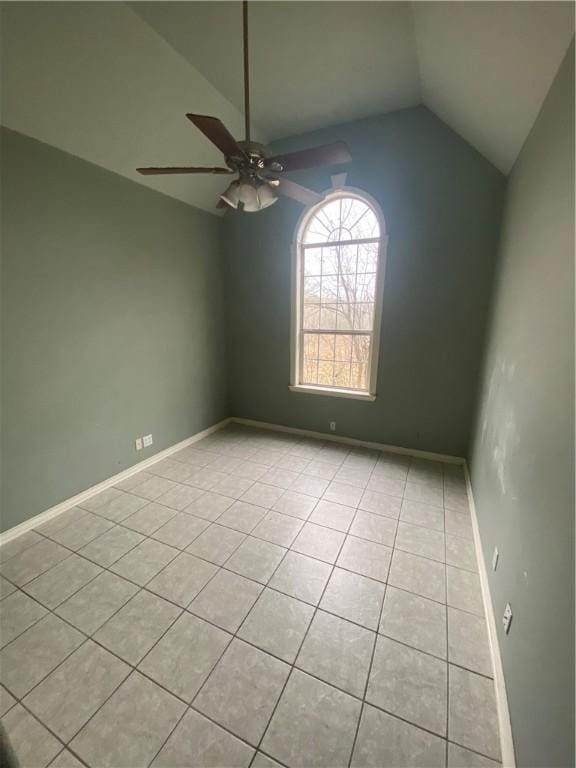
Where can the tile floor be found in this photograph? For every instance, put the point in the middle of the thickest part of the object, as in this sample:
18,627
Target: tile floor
258,599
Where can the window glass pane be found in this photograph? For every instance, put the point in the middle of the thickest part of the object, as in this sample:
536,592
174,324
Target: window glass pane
326,373
310,371
314,235
329,216
311,346
365,288
342,375
326,346
330,261
345,317
311,318
347,259
358,373
343,348
313,261
328,317
345,218
336,360
363,317
312,290
367,257
329,289
347,289
360,348
339,293
362,222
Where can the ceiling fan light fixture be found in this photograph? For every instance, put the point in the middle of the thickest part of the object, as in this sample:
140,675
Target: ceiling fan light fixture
249,195
255,189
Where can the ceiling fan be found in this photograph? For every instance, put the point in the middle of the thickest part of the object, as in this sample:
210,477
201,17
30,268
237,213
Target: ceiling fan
258,184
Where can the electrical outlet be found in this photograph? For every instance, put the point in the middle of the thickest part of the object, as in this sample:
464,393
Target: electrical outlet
495,556
332,426
507,618
138,443
147,441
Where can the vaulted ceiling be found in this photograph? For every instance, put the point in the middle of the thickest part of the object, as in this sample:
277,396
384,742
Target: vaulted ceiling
110,82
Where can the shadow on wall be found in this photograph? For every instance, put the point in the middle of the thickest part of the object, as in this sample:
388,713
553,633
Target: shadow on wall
112,321
442,205
522,458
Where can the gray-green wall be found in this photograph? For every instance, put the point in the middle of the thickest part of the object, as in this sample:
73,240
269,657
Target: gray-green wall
111,324
442,204
522,461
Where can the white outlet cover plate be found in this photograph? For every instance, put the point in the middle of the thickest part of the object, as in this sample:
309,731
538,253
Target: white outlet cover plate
147,440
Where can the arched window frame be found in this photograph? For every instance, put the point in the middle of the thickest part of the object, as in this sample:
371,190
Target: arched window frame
297,291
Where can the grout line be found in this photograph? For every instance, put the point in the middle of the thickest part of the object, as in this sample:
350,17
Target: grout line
48,728
179,551
188,703
358,724
187,610
145,587
69,503
504,725
447,638
293,665
235,634
97,642
75,754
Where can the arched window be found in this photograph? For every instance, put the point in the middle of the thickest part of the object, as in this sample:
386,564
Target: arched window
337,296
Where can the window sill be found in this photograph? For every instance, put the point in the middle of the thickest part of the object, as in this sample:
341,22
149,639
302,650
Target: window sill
347,393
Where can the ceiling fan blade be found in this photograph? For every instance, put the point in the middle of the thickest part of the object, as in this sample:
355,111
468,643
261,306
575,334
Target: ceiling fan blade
222,203
180,169
326,154
296,191
218,134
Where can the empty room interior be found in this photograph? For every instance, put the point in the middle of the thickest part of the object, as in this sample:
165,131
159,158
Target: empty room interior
287,384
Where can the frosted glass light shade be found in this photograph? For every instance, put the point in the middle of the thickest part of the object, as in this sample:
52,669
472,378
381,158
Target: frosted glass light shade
249,195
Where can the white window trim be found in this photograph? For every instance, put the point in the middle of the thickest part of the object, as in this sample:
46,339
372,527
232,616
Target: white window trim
297,250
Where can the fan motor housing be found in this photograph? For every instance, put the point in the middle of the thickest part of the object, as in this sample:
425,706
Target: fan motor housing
253,158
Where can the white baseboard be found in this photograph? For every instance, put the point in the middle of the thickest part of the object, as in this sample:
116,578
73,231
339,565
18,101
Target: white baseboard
63,506
504,723
351,441
507,744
